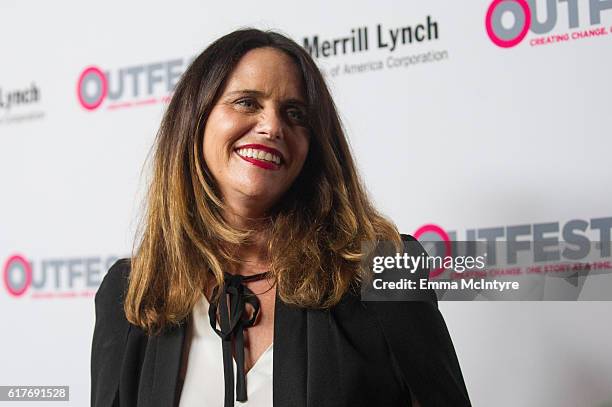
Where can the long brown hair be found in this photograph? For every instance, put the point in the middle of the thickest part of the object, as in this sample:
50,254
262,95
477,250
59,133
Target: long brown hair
315,231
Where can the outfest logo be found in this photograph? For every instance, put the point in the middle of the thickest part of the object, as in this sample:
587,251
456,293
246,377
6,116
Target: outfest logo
71,277
580,237
131,86
509,21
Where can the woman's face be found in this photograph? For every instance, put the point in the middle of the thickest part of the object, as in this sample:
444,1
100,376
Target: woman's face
256,139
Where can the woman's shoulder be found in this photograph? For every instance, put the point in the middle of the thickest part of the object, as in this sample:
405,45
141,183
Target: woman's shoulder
115,281
421,344
399,316
111,326
111,293
396,314
109,299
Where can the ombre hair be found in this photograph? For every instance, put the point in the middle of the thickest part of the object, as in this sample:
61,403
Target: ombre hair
314,233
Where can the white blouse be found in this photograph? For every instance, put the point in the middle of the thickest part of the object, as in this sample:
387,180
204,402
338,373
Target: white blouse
204,384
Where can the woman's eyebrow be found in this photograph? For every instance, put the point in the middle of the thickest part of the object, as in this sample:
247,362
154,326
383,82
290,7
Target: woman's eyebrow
258,93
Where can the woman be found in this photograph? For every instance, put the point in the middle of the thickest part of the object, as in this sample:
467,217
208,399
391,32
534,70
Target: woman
243,289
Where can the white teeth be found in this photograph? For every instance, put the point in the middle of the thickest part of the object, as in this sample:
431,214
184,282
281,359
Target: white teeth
259,154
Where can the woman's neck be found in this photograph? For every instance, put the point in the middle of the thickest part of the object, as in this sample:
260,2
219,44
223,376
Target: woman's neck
252,256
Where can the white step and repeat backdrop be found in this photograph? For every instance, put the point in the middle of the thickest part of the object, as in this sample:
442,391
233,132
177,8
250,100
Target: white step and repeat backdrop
464,115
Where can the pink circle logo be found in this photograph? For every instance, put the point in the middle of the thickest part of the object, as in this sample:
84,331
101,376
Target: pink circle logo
504,36
92,88
438,234
17,275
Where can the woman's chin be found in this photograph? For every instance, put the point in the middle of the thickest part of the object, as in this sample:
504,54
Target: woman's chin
264,194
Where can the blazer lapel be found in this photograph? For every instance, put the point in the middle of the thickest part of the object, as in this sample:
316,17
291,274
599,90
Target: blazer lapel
289,355
160,369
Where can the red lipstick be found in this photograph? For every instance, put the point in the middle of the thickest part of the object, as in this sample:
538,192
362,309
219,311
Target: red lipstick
263,148
260,163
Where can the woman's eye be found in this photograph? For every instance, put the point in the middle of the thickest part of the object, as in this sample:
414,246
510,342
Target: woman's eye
296,114
248,103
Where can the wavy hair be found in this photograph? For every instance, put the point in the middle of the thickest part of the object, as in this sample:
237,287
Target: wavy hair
314,233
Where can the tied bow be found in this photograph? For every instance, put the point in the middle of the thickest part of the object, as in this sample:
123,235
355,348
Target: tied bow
232,323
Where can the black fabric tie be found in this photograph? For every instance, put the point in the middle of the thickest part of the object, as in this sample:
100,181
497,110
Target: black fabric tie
233,321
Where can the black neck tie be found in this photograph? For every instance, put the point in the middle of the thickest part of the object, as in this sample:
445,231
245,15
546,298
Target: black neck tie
232,322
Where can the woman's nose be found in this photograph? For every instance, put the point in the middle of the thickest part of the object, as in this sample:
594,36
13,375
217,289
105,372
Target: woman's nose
271,123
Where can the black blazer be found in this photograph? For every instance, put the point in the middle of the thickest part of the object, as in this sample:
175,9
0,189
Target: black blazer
357,353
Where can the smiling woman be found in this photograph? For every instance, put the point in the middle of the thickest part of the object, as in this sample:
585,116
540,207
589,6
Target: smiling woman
244,285
258,123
